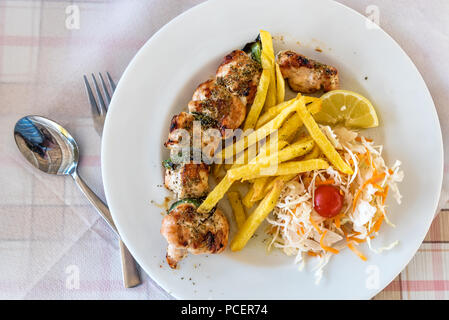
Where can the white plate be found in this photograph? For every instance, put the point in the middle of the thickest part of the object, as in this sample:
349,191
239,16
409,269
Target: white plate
159,83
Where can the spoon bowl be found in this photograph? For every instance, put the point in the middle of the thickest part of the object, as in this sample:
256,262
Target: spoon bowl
46,145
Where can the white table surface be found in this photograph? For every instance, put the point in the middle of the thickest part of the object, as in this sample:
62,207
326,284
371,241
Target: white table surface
53,245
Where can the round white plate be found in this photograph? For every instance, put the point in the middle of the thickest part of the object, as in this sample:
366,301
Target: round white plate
159,83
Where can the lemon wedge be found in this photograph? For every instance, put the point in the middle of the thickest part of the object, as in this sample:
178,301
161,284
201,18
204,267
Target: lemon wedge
351,108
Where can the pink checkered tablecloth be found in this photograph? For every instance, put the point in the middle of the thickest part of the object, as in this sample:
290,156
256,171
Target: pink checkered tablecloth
53,245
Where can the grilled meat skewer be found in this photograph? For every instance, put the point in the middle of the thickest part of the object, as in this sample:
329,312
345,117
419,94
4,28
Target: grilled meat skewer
217,103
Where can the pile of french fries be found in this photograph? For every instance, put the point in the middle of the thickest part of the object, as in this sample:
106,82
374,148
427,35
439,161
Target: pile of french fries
274,164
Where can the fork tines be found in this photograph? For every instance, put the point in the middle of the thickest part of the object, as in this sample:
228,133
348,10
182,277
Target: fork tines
99,109
102,108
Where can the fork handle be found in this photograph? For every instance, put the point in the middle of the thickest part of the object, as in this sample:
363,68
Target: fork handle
131,276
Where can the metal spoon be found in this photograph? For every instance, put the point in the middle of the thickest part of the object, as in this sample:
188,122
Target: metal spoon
50,148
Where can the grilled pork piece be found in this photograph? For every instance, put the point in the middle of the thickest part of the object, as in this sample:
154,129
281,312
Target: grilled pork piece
210,139
188,179
188,231
306,75
218,103
240,74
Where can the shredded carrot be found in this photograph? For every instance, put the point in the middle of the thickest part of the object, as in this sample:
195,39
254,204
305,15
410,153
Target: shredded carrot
377,225
313,254
314,224
370,163
337,220
384,195
390,171
360,155
374,179
359,139
325,182
368,158
357,239
326,248
352,235
357,252
271,229
307,181
300,230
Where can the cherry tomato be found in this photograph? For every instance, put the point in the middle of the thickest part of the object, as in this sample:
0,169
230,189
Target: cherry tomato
328,201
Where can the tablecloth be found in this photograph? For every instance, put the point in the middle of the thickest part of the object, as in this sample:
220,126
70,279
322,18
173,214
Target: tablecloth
53,245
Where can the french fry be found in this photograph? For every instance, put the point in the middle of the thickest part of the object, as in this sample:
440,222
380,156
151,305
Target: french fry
321,140
256,189
254,167
259,101
257,217
314,106
280,84
247,202
216,169
269,149
223,186
267,58
284,178
264,159
290,127
215,195
291,167
259,188
315,153
240,160
237,208
260,133
273,112
243,158
297,149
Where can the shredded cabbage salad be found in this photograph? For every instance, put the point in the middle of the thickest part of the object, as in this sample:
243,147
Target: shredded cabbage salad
298,230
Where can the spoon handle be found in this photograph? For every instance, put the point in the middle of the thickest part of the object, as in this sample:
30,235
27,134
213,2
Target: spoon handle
131,276
101,207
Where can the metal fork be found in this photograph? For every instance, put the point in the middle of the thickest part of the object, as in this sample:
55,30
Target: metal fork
99,110
131,276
